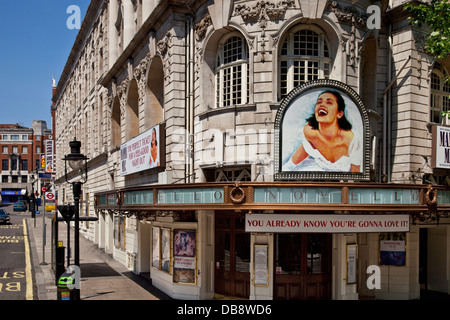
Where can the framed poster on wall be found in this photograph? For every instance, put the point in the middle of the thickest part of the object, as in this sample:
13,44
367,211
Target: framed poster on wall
184,255
322,132
165,250
260,266
393,248
119,232
156,248
352,256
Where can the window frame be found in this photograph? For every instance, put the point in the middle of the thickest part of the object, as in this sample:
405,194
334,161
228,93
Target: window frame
439,95
222,69
5,164
323,57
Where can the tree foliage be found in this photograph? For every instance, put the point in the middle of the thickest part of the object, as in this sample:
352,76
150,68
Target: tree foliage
436,16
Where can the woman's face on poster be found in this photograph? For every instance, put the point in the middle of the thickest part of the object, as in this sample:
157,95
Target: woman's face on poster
326,109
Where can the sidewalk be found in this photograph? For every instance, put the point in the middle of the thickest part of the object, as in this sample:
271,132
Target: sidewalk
102,277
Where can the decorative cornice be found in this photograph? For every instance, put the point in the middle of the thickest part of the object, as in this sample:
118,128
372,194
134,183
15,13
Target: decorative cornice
263,11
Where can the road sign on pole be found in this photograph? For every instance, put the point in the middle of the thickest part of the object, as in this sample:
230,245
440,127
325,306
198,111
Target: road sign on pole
49,196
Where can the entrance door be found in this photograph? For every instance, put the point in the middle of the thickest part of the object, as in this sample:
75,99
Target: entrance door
302,266
232,256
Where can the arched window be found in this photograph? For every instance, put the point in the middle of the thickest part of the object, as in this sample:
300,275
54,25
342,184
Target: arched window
232,75
304,56
115,124
154,107
132,112
439,93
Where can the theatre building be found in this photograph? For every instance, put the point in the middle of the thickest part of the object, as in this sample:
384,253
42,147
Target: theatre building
261,149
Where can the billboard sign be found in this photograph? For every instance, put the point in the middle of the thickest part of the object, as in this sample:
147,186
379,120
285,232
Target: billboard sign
440,151
49,156
322,132
142,152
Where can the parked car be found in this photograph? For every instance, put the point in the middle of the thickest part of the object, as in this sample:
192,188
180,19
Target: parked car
4,216
20,206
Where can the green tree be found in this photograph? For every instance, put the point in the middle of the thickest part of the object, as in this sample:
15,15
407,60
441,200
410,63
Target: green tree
436,16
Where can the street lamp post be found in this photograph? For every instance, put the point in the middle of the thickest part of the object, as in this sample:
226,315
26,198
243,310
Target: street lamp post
78,162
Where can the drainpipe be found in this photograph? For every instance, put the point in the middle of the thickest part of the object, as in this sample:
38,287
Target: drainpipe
191,96
387,111
189,100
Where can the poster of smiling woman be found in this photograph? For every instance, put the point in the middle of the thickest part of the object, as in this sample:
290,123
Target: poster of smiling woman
322,132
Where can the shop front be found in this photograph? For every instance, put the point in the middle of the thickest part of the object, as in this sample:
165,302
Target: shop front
13,195
284,240
316,230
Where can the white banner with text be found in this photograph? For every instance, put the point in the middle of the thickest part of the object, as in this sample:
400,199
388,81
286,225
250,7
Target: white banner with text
333,223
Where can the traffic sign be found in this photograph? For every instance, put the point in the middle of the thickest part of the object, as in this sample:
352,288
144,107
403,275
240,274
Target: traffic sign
49,196
43,189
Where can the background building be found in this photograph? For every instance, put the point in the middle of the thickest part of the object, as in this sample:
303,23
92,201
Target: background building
21,156
212,82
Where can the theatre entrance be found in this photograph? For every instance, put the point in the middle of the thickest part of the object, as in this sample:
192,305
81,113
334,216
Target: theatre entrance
302,266
232,256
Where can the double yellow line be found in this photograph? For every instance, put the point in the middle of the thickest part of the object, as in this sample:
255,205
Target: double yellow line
28,275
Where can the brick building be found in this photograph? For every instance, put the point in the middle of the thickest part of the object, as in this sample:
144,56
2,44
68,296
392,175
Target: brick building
21,150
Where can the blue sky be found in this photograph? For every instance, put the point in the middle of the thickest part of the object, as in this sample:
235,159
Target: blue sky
35,43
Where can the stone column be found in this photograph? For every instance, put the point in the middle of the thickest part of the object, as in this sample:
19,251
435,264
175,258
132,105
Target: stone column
112,33
128,22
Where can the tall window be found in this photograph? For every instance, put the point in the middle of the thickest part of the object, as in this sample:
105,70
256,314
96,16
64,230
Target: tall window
304,56
24,164
14,164
232,75
439,95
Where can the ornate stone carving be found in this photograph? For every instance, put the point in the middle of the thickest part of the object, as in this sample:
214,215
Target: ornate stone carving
122,94
348,15
262,12
201,27
164,44
354,18
162,47
140,71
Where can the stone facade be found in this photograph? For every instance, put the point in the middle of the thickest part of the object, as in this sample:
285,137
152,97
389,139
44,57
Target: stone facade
136,64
